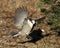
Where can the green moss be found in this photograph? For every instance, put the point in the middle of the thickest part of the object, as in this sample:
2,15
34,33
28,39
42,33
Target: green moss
52,16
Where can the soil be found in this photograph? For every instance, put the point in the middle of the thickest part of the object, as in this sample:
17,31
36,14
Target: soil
47,39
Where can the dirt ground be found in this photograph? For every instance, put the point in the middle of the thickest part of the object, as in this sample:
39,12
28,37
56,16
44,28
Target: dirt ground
40,39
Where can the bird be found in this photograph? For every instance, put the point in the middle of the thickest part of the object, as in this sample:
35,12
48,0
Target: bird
23,22
27,27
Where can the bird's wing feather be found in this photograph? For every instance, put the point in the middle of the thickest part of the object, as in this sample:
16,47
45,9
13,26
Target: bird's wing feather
20,15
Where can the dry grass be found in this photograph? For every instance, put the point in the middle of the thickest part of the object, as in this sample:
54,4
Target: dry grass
7,9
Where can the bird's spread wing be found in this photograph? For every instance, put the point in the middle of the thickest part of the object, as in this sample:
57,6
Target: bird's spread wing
20,15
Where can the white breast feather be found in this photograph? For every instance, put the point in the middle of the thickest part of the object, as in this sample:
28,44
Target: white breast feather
29,22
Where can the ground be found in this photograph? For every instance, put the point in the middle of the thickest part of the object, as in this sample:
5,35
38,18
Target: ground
42,39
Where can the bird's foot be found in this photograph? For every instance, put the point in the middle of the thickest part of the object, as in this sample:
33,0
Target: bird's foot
28,37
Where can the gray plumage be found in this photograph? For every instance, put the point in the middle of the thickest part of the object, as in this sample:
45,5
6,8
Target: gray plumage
20,15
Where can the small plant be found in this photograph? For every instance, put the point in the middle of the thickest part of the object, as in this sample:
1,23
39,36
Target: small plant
49,1
52,16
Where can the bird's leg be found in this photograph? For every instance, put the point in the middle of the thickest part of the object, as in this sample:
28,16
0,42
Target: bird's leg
29,37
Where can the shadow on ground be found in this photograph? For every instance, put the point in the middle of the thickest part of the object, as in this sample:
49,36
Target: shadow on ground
36,35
